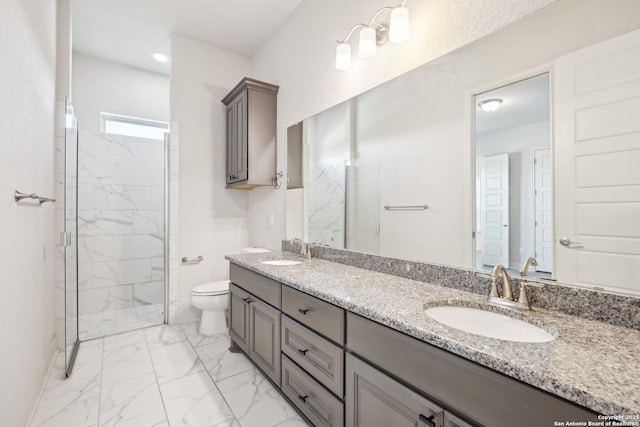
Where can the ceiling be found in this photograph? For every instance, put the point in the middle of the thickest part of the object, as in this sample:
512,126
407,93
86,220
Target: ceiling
129,31
523,103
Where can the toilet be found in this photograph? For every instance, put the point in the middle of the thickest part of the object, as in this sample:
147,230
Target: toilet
213,299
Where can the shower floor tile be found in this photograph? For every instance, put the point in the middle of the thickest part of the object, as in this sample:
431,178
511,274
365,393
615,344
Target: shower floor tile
113,322
161,376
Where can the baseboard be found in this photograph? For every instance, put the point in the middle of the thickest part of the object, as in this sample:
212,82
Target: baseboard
28,409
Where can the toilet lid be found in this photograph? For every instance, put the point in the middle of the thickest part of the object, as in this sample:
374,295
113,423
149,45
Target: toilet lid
212,288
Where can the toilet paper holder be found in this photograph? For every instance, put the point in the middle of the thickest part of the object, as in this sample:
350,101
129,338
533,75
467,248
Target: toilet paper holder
186,260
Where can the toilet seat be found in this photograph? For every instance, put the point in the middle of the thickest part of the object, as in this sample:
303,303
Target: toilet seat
212,288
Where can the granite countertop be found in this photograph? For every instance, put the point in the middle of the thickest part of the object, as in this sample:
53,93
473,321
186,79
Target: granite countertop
591,363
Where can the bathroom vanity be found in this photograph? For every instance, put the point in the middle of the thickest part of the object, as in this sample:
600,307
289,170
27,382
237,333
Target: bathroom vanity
350,346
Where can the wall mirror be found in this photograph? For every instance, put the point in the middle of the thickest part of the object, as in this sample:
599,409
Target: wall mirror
409,168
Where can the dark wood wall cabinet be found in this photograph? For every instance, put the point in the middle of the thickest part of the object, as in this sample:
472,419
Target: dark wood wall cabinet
251,134
340,369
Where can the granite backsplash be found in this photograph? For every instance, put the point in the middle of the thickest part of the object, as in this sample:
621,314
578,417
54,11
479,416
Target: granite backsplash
615,309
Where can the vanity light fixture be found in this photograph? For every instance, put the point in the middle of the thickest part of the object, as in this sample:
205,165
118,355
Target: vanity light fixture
489,105
160,57
375,34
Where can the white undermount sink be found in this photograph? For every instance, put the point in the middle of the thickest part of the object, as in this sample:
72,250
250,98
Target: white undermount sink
489,324
281,262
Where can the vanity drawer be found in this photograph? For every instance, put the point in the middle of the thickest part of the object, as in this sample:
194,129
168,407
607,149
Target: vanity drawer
320,406
264,288
318,315
318,356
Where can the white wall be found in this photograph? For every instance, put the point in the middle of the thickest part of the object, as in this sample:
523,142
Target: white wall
105,86
27,104
300,58
213,220
311,85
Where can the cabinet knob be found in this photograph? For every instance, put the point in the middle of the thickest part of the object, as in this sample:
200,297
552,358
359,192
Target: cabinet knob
303,398
303,352
247,300
303,311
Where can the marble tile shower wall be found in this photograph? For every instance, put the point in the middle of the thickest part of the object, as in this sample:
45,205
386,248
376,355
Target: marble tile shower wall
120,222
327,184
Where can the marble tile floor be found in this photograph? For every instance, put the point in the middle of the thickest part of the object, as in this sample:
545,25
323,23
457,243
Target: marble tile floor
116,321
161,376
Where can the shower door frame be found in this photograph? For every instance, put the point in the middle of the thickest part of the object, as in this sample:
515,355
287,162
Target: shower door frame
68,236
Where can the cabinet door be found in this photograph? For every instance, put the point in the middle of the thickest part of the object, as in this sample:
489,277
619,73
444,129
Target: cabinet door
232,140
264,338
239,301
376,400
242,141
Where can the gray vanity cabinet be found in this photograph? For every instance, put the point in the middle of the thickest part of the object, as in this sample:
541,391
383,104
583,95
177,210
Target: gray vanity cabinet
313,400
237,139
264,338
466,388
322,359
251,134
375,400
254,325
239,317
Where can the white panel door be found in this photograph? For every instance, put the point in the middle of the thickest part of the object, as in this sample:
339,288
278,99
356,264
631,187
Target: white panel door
597,165
495,210
543,189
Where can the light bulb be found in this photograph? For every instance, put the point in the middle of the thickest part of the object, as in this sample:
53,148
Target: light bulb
490,105
160,57
343,57
367,47
399,25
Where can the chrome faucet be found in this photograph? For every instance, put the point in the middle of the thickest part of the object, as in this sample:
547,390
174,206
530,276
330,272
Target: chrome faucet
507,294
324,240
525,267
304,248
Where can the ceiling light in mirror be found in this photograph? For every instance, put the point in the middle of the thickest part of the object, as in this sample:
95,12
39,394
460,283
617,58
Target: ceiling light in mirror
160,57
490,105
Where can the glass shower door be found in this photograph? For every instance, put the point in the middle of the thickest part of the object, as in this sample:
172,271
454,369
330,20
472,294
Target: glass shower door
70,237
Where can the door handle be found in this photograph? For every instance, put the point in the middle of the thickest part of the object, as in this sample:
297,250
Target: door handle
565,241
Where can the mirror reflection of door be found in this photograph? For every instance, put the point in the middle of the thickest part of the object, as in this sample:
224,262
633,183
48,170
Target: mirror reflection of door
494,209
514,177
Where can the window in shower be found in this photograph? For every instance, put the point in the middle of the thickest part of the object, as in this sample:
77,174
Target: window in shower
116,124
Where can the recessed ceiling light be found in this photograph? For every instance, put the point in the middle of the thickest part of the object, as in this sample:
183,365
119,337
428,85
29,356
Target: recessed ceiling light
490,105
160,57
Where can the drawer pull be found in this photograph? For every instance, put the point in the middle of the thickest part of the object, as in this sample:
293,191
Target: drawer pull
428,421
305,397
303,311
302,352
